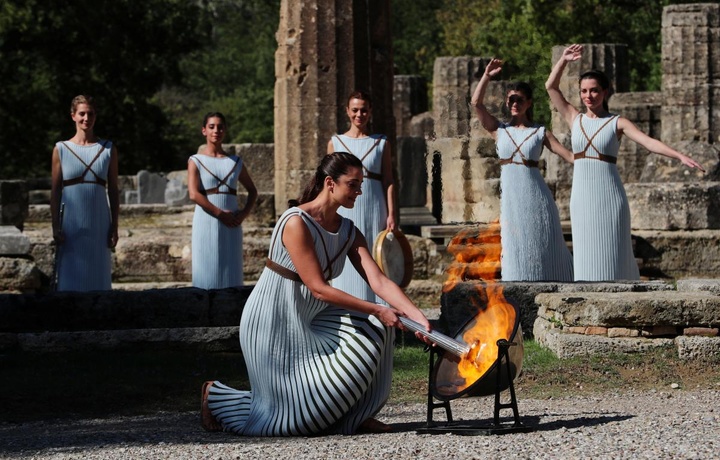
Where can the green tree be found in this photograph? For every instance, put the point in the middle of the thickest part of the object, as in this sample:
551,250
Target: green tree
232,73
523,32
119,51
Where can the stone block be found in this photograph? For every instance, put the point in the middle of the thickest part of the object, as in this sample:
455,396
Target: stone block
568,345
699,285
13,242
662,169
263,214
410,97
596,330
631,310
13,202
412,171
176,190
151,187
452,81
422,125
680,253
702,348
259,159
209,339
674,206
18,275
701,331
621,332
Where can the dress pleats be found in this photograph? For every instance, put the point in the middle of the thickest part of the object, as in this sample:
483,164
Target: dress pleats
85,259
217,258
370,210
533,246
313,367
599,209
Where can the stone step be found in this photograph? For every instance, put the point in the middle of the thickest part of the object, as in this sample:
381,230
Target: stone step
631,309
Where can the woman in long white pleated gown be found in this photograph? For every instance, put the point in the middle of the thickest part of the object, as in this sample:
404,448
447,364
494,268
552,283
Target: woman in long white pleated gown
599,207
319,360
533,246
213,175
85,188
375,211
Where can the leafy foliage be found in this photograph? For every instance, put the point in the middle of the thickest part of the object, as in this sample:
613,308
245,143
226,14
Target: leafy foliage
119,51
156,67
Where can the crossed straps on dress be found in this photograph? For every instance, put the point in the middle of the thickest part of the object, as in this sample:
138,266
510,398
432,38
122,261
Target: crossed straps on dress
216,190
523,160
601,156
291,275
88,168
369,174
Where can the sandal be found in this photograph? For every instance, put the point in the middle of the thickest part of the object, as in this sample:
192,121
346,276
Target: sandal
373,425
207,420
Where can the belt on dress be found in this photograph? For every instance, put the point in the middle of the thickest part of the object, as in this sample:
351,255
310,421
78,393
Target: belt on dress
282,271
216,191
601,157
528,163
82,180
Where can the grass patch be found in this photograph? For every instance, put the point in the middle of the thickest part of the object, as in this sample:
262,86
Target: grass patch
104,384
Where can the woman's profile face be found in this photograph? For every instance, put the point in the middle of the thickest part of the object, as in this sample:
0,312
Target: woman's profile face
359,111
517,102
84,116
348,187
591,93
214,130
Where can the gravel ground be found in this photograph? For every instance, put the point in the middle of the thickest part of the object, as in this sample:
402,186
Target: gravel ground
634,425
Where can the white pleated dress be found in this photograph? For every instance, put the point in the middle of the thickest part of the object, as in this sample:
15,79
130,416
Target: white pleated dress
533,247
85,260
217,258
599,210
313,368
370,210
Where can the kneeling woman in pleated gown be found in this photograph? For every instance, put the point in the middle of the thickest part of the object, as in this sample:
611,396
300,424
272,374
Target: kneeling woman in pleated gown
319,360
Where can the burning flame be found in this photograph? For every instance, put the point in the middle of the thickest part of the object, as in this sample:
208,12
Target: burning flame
477,257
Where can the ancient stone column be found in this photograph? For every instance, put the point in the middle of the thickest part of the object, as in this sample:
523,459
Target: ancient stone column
462,169
691,73
409,99
325,50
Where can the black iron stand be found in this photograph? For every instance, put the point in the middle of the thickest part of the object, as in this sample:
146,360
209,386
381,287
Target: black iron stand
474,427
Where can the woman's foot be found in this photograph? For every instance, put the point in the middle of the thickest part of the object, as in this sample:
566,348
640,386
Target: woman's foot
373,425
208,421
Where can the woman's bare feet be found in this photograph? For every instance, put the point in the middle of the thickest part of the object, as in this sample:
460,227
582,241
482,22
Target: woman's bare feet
208,421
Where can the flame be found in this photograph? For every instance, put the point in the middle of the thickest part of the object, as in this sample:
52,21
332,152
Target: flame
477,257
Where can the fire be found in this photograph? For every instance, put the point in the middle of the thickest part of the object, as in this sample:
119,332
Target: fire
496,321
477,257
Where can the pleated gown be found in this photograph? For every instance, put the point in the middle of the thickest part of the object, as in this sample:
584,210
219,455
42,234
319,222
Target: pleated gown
533,246
370,211
217,258
599,210
313,368
85,260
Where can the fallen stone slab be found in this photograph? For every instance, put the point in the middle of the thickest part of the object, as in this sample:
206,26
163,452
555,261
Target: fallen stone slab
631,309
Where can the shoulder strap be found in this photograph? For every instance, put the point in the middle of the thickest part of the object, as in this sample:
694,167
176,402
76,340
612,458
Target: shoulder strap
88,167
590,139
